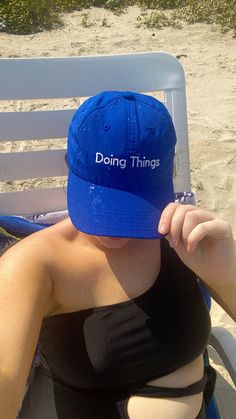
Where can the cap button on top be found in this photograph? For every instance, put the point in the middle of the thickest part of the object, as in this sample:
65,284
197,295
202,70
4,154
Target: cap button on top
129,96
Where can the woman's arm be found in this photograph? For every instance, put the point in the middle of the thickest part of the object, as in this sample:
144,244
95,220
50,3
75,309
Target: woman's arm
205,244
25,287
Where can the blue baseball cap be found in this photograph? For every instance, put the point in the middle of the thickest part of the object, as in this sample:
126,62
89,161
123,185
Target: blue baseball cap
120,158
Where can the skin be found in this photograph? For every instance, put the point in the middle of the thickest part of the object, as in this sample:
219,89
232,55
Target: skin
61,269
206,245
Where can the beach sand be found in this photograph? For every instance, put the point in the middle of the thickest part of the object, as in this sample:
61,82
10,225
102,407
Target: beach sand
209,60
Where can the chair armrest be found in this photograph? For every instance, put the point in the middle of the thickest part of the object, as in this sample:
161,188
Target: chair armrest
225,345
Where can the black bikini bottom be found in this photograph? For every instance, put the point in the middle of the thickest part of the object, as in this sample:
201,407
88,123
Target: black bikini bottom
52,399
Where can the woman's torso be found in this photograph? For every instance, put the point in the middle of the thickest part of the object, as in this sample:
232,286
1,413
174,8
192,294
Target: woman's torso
85,277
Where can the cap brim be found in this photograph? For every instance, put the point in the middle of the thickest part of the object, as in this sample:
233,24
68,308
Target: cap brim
103,211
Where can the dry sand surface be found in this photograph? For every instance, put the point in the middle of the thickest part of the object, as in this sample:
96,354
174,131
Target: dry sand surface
209,60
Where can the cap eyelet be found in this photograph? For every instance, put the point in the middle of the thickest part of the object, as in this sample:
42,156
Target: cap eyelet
151,130
106,127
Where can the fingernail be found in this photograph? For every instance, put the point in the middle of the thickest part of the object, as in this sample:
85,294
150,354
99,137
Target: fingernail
162,228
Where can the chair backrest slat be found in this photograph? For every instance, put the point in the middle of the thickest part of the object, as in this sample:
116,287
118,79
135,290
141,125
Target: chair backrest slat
38,201
32,164
85,76
35,125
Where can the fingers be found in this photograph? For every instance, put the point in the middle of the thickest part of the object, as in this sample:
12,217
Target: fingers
167,216
172,219
215,229
179,221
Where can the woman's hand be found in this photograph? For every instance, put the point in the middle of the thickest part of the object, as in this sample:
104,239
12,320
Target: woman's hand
203,241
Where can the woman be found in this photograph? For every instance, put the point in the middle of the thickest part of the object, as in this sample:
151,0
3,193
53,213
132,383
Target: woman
111,293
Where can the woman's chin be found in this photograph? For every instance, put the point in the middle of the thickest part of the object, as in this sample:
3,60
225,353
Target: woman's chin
112,242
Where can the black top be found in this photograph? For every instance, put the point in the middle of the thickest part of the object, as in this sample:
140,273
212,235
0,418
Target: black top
133,341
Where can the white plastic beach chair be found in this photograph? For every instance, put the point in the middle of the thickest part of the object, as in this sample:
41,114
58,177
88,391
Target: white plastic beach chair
47,78
22,79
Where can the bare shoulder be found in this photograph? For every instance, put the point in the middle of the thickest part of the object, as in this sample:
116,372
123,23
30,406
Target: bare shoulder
41,246
32,260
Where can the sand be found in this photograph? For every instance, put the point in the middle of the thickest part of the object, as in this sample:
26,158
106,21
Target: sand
209,60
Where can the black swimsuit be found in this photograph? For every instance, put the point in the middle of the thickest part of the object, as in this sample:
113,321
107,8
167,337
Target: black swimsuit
93,360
